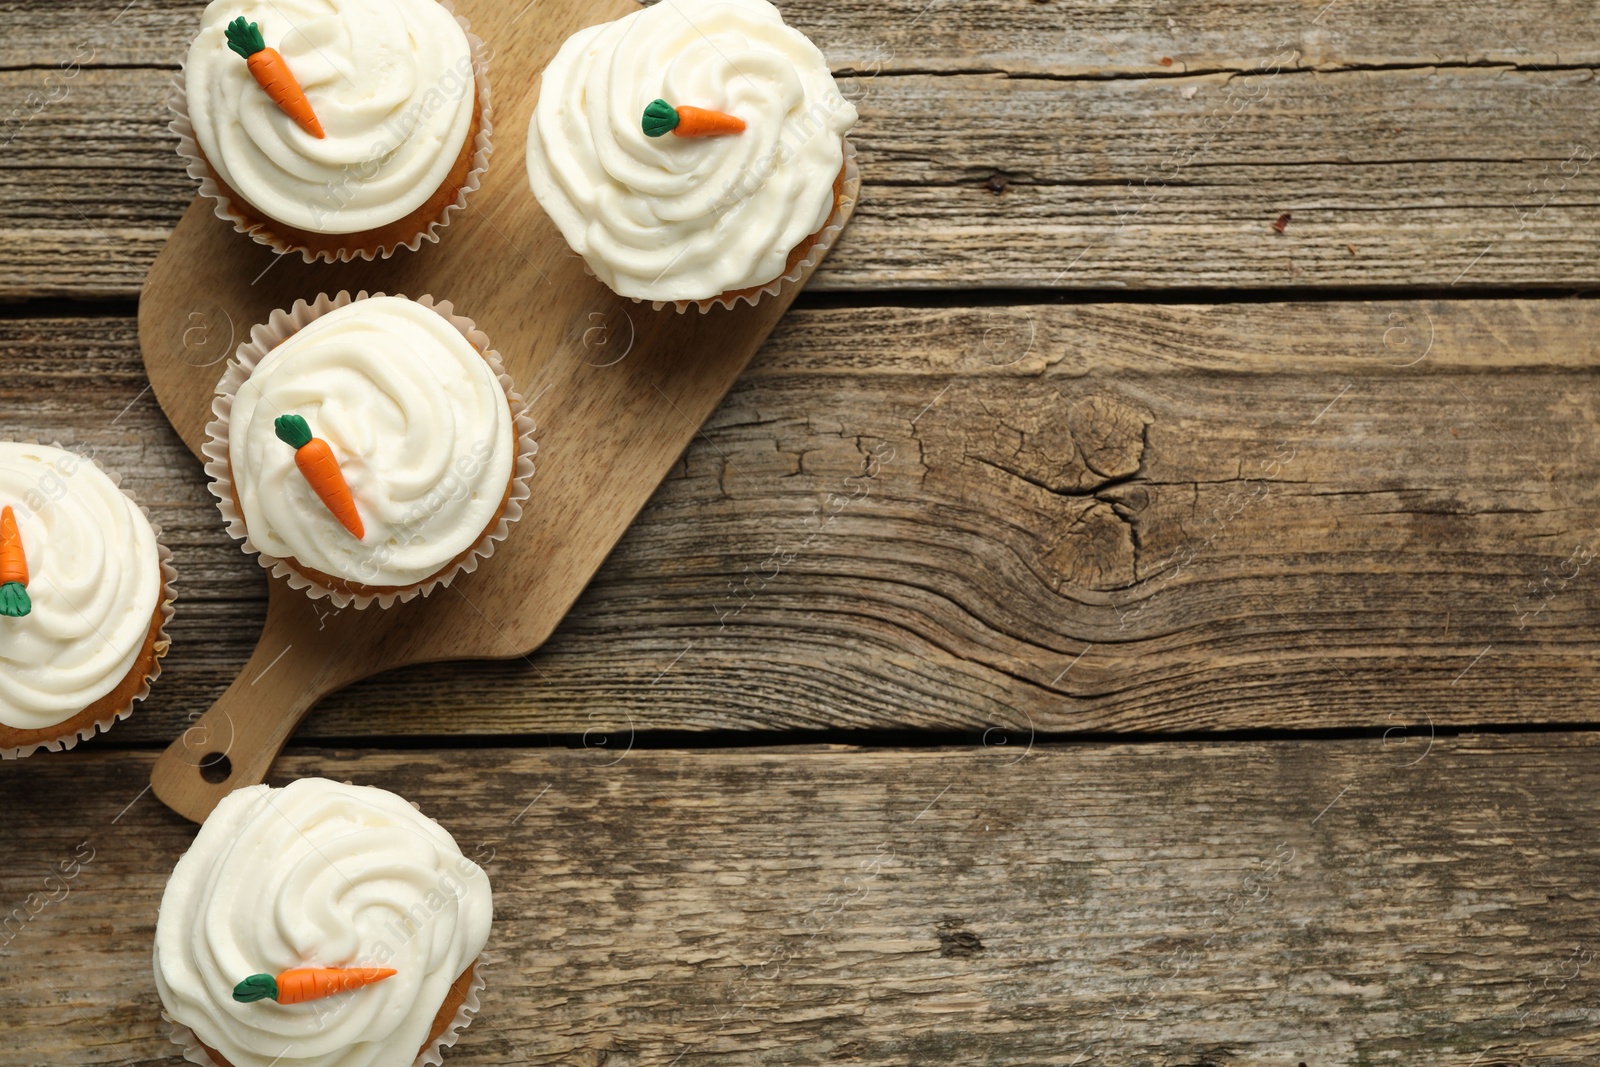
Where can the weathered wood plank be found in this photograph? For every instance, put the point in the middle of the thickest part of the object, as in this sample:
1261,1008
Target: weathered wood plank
993,180
1101,517
1081,38
1331,903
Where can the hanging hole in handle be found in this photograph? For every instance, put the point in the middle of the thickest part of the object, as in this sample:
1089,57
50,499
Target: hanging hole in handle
216,767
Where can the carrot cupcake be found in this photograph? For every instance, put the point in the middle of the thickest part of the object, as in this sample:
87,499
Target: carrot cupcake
693,153
320,924
369,448
335,128
85,593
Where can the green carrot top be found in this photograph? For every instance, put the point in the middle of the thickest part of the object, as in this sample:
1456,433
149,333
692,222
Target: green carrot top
659,117
292,430
244,37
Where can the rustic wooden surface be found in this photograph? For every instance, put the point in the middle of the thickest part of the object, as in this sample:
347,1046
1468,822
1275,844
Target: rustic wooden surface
1241,516
1354,902
1349,513
1042,145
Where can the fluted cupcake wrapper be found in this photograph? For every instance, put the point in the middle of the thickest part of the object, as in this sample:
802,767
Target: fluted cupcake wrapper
169,577
261,233
281,325
193,1052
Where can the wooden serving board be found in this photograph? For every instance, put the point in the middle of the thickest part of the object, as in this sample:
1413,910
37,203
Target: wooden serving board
618,391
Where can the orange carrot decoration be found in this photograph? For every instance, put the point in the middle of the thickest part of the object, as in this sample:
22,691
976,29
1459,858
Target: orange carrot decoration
272,74
14,600
661,118
300,984
321,468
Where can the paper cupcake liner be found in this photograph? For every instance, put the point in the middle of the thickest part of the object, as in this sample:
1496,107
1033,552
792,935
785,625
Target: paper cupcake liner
851,192
169,577
192,1051
280,325
261,233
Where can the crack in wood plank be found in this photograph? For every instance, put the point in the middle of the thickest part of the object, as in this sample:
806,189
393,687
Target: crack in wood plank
1043,478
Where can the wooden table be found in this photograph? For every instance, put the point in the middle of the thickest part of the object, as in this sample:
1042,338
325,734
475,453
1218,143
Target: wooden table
1204,673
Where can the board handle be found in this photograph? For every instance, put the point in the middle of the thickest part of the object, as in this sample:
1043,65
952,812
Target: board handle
234,743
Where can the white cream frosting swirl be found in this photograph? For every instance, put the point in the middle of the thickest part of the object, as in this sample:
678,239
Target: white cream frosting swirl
675,218
318,874
94,576
391,82
419,424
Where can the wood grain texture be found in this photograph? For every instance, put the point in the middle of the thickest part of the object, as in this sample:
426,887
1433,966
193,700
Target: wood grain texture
1344,904
1061,170
1069,38
1058,518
